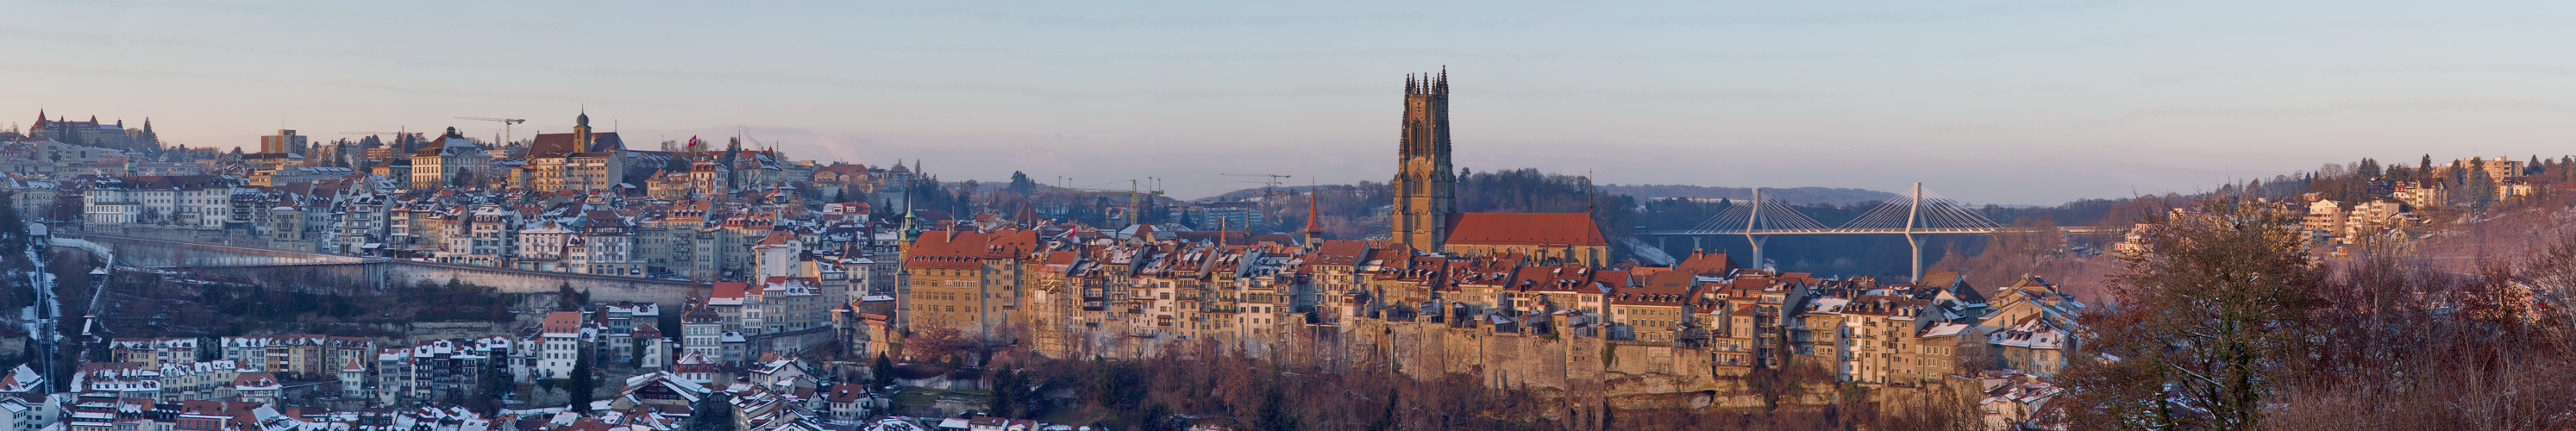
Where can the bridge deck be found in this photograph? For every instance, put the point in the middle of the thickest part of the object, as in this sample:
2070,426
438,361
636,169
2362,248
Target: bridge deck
1923,231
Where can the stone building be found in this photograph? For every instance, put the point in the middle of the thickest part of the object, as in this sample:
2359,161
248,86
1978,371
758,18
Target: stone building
1425,212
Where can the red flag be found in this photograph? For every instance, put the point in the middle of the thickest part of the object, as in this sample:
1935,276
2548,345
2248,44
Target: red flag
693,142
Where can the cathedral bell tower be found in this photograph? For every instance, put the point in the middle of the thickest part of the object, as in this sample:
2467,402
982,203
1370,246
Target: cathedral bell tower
1425,183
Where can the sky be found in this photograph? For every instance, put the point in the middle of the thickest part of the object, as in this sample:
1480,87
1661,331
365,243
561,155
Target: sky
2006,102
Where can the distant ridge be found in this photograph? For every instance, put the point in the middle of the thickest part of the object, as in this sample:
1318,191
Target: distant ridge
1795,195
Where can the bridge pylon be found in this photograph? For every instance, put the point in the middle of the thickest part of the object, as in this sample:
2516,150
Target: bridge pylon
1918,213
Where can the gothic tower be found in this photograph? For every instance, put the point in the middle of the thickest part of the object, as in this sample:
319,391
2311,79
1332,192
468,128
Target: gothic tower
1424,184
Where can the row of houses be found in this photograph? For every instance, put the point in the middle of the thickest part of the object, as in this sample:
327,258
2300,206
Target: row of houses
1071,292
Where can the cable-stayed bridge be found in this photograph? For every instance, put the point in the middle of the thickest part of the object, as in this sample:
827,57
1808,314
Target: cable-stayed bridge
1922,212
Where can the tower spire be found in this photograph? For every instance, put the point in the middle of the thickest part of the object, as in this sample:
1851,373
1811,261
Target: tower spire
1591,202
1314,227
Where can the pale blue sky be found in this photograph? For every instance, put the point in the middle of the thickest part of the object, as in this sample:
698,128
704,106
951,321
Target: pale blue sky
2019,102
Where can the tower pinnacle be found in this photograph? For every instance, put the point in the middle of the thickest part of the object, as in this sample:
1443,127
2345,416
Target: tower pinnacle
1424,181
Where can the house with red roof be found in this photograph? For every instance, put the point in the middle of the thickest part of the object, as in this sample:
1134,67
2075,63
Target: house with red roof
964,279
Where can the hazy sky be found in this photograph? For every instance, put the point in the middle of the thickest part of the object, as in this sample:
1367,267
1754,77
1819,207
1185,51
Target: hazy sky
2017,102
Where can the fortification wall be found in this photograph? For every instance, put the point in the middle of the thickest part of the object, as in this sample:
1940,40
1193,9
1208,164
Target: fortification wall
356,275
602,288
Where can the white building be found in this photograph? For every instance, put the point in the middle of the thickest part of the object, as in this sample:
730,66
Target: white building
558,345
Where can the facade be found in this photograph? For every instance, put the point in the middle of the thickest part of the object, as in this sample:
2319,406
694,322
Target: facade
1425,183
966,280
450,160
558,345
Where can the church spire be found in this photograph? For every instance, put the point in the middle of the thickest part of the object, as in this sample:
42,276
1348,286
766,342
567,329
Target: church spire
1314,227
1590,201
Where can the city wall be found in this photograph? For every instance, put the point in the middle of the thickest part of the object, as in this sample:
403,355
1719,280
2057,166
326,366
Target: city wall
1624,375
325,273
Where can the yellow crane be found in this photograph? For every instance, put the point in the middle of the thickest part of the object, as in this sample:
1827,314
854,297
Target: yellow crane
1134,190
505,126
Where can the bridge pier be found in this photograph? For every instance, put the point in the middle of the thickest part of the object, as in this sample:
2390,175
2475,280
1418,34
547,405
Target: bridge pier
1757,241
1917,244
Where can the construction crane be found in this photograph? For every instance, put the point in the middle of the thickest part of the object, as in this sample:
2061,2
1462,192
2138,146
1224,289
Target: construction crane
505,126
1134,189
1269,187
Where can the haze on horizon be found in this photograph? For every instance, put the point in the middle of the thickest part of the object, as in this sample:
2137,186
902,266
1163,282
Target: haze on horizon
1991,102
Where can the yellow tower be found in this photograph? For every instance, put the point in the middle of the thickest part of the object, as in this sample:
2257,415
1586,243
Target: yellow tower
581,137
1424,184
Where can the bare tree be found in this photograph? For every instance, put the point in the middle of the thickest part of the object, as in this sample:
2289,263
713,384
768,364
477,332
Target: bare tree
2204,323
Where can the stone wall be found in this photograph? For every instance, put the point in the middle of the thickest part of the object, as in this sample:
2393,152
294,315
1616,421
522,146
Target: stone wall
602,288
1500,360
1587,373
351,274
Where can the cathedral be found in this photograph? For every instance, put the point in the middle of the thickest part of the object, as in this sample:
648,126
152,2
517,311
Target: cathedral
1426,216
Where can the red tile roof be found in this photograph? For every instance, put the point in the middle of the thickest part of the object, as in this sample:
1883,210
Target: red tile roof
1699,263
1554,229
730,289
563,322
966,250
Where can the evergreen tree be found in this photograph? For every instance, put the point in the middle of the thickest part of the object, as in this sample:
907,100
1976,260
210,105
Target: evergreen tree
884,370
1021,184
1009,388
582,382
1274,414
566,299
13,230
2481,187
